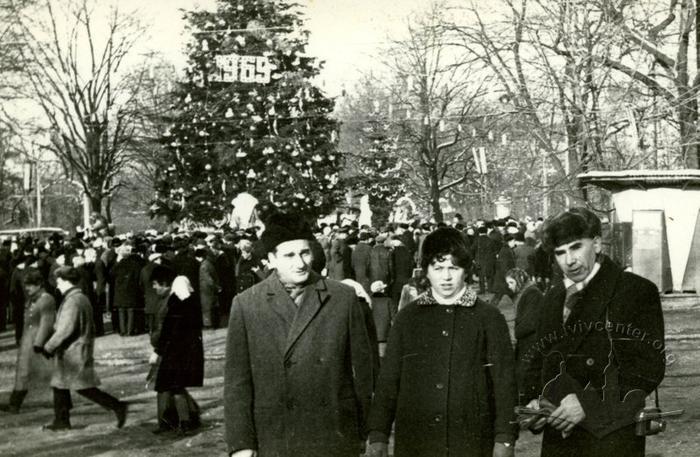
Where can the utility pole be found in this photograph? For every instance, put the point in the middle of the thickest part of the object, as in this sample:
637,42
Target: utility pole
545,193
38,193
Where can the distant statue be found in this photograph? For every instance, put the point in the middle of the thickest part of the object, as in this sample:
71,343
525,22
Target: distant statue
404,210
243,213
365,212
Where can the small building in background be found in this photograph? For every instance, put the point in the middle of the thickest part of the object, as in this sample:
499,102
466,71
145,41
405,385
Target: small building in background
655,224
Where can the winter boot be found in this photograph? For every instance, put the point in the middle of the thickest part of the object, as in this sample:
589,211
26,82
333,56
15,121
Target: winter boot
61,409
16,399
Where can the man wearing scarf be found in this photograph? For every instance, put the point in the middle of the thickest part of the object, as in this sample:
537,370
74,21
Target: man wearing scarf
299,363
599,350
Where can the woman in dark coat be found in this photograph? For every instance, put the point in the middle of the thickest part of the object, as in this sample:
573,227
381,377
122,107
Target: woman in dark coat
178,345
527,302
447,381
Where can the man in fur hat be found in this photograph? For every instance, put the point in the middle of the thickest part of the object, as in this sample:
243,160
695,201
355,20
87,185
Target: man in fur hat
299,363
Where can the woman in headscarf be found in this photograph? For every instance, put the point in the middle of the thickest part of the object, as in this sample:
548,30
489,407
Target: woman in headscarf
178,349
527,299
39,317
447,380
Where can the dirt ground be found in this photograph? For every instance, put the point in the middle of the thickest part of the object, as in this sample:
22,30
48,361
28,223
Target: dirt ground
122,366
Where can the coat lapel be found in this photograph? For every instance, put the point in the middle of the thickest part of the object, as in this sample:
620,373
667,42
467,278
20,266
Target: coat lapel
281,304
315,296
591,306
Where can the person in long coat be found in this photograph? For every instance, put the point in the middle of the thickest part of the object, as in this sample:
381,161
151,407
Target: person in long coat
361,260
71,346
179,349
527,300
485,256
209,287
402,266
39,317
447,381
299,370
600,336
128,294
504,262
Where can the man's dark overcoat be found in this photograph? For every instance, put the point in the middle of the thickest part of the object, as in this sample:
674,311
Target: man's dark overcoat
361,264
298,381
127,282
446,382
632,307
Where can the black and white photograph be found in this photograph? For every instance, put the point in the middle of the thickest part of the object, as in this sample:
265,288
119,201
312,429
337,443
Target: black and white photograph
350,228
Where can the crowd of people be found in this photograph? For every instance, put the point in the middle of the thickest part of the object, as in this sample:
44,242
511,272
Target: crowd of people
341,333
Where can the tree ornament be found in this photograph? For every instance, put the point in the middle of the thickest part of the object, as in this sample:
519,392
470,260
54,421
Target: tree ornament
229,113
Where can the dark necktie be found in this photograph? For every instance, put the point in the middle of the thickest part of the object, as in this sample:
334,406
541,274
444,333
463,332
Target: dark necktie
572,296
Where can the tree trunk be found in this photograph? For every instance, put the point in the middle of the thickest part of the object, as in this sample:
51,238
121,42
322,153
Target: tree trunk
435,196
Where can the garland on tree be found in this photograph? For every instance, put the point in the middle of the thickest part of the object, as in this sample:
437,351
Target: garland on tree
276,140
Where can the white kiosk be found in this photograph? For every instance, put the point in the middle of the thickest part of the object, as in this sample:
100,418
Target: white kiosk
656,229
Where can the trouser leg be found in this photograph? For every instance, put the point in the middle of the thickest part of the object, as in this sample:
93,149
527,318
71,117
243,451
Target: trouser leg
61,407
122,321
97,318
130,322
100,397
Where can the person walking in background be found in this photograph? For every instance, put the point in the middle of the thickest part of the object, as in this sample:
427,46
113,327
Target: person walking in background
178,351
249,270
527,300
361,260
39,317
485,255
71,346
209,287
504,262
402,266
447,380
128,295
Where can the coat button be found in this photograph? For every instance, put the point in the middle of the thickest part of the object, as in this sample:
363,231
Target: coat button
449,310
438,418
439,386
590,362
288,364
445,333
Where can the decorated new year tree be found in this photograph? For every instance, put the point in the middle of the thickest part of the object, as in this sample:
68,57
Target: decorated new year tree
379,172
248,117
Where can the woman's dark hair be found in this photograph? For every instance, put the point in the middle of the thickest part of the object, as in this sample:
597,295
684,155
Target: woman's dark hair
33,277
69,274
571,225
520,276
441,243
163,275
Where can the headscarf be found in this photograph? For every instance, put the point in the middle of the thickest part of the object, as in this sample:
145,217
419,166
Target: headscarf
181,287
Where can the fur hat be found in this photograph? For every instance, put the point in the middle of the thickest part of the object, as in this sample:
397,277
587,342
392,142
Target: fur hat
281,227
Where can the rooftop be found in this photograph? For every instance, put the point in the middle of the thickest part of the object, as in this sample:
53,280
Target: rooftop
641,179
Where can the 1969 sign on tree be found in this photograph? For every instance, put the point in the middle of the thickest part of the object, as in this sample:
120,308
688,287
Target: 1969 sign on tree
246,69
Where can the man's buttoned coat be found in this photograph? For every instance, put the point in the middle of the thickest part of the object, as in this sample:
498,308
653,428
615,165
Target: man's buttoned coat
298,381
631,306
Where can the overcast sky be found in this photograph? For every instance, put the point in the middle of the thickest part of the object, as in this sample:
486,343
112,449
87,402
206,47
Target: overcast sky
344,33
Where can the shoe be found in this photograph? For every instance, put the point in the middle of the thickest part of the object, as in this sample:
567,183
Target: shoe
186,428
12,409
121,411
56,427
161,429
